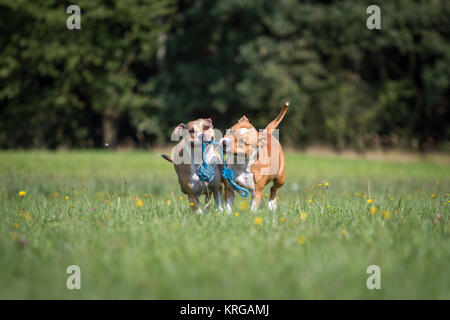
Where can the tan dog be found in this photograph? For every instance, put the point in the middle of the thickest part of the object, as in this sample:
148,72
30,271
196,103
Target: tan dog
256,159
187,157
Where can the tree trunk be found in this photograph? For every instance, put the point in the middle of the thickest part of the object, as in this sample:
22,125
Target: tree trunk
110,127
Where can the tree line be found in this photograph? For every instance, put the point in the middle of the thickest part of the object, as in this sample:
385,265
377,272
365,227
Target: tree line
137,68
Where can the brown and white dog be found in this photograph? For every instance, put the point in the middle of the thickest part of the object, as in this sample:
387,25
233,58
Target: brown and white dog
187,157
256,159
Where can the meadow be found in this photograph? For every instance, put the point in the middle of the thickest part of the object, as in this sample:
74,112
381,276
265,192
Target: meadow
121,217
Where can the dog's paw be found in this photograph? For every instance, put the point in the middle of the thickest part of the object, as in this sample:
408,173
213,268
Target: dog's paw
272,205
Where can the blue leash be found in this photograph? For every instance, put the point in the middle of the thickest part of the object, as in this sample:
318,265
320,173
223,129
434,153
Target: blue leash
206,172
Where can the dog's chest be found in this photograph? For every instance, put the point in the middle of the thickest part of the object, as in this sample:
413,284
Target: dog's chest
245,179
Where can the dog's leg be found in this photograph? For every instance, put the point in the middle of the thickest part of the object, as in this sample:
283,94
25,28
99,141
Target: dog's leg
194,203
257,198
229,199
277,184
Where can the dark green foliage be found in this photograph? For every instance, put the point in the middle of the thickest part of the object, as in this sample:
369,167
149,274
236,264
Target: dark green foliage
141,67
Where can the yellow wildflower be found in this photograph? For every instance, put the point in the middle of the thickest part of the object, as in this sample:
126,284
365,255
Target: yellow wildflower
309,201
373,210
266,195
181,198
433,195
168,202
386,215
343,232
282,219
67,197
301,240
139,203
22,193
326,184
303,215
258,221
236,214
369,201
15,225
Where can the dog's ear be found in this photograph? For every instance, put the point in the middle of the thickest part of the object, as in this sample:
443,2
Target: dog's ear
243,119
209,122
179,129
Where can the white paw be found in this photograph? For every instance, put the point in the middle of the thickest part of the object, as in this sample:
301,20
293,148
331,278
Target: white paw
272,205
253,207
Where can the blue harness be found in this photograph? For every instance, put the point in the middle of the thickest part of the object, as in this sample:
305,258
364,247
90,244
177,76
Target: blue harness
206,172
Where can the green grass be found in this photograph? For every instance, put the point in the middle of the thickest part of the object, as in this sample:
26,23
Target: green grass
163,251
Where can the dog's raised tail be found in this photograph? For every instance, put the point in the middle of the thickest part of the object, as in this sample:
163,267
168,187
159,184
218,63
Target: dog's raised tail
165,157
275,122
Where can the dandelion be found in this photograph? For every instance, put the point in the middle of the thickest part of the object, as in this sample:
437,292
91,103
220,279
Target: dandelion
369,201
319,185
110,204
266,195
146,195
282,219
243,205
386,214
15,225
329,207
56,194
22,193
181,198
447,194
373,210
191,204
303,215
168,202
236,214
258,221
433,195
326,184
343,232
309,201
357,194
140,203
67,197
301,240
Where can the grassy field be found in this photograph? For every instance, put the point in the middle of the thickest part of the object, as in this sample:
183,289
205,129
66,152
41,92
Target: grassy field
84,208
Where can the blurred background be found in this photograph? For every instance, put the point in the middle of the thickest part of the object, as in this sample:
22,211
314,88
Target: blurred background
137,68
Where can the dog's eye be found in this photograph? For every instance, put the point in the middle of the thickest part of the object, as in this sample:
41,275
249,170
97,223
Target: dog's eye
206,128
191,131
